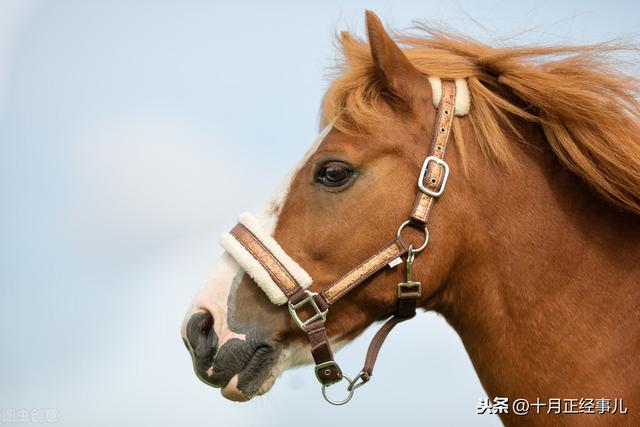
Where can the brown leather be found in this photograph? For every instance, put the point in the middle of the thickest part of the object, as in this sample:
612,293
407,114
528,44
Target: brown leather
435,173
407,302
363,271
327,370
376,345
406,309
276,270
298,296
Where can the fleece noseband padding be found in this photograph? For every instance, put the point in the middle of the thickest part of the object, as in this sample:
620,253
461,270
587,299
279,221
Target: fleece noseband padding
255,269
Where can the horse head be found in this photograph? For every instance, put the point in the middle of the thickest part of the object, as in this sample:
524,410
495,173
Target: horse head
515,262
345,199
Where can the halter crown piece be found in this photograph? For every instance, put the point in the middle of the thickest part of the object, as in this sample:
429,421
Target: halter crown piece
284,281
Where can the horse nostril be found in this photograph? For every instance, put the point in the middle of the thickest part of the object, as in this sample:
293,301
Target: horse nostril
202,337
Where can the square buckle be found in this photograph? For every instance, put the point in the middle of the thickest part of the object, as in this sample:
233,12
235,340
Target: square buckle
330,365
408,286
308,300
423,172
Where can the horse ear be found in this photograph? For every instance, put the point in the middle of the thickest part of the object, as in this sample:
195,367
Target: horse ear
394,68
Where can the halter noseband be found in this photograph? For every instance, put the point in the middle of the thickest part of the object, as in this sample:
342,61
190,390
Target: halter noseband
284,281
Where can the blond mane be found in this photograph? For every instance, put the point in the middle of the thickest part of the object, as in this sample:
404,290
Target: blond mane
586,108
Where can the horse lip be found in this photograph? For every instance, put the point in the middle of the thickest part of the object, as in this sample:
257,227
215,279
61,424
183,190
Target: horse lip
255,365
204,375
259,357
255,371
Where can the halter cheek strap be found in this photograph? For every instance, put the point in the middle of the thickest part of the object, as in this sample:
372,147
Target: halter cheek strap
284,281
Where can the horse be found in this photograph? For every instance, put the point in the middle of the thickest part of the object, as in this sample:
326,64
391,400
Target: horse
532,256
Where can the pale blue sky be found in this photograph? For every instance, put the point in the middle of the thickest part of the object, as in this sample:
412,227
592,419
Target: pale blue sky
121,129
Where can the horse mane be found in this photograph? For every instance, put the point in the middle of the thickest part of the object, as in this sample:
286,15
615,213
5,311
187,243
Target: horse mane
587,109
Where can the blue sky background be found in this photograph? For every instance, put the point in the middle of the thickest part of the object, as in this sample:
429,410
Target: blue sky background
121,129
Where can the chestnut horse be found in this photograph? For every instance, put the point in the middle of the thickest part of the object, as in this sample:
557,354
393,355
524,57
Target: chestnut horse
534,256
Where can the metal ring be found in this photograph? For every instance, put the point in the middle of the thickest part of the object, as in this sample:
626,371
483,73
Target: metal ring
411,255
338,402
426,236
353,385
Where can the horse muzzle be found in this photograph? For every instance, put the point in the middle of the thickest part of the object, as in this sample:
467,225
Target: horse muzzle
239,367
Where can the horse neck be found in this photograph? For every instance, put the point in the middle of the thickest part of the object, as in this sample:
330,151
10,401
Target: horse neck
545,295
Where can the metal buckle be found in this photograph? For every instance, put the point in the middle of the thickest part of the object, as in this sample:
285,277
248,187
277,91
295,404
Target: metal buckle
409,285
328,365
423,172
309,299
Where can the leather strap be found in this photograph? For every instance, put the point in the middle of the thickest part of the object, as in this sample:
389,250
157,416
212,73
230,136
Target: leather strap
363,271
376,345
406,309
435,173
278,272
327,370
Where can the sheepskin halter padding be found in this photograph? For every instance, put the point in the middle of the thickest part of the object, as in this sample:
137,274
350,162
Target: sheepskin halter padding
463,98
254,268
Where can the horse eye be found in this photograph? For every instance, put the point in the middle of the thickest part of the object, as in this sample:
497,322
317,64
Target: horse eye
334,174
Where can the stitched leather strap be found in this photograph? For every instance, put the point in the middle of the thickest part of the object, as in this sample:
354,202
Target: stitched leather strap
327,370
435,172
363,271
278,272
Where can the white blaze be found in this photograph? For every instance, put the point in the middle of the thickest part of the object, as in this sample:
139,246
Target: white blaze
270,213
214,294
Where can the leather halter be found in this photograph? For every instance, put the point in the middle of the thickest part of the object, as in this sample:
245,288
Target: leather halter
431,183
